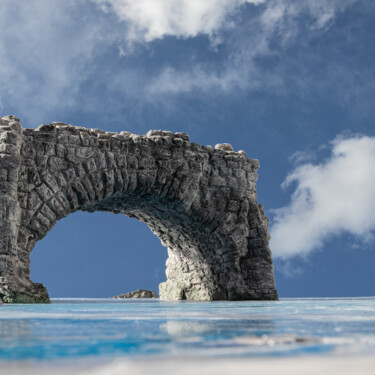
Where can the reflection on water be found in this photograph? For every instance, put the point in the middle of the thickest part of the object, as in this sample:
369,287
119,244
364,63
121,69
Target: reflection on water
11,330
152,328
217,327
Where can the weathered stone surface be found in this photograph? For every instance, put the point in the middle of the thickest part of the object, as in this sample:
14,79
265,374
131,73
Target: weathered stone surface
140,293
200,202
224,147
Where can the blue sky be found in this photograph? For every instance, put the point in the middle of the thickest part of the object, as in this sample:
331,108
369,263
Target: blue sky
290,82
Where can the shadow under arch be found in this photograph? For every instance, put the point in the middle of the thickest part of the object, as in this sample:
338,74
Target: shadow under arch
201,203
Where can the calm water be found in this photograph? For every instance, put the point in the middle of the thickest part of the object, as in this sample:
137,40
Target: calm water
77,328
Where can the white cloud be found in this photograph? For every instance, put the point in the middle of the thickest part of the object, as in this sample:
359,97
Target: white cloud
331,198
171,81
52,49
280,19
154,19
47,48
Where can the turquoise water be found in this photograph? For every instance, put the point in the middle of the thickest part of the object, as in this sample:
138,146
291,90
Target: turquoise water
78,328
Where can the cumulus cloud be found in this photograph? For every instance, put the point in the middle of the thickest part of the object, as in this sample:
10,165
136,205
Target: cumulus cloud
334,197
51,51
153,19
58,55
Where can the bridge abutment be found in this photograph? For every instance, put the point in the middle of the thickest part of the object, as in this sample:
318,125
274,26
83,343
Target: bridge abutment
15,284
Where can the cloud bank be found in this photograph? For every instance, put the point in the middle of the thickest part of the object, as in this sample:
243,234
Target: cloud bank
154,19
74,55
266,33
46,51
329,199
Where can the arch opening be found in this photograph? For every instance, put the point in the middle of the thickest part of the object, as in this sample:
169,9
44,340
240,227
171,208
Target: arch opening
98,255
188,242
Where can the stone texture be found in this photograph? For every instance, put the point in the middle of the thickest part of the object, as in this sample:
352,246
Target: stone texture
140,293
200,202
224,147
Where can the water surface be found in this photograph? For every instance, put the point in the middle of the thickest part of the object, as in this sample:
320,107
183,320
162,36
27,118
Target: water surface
79,328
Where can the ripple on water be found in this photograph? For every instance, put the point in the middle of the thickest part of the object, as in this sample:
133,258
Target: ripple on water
115,328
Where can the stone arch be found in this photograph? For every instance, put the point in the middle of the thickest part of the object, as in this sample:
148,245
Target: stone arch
200,202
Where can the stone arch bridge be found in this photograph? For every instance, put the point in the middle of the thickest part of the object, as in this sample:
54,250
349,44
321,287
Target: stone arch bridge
201,203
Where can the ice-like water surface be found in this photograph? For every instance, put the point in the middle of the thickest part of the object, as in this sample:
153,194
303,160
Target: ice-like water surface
153,328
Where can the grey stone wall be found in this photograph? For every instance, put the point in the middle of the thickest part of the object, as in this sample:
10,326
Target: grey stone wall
200,202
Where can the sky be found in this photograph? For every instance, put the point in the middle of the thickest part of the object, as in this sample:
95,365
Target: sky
290,82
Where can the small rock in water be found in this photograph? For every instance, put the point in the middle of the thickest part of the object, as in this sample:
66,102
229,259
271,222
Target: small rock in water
140,293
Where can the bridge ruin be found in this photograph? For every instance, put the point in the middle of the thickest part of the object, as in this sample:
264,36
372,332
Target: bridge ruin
199,201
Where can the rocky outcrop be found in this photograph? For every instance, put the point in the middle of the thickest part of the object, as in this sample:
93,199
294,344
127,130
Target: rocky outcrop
140,293
201,203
